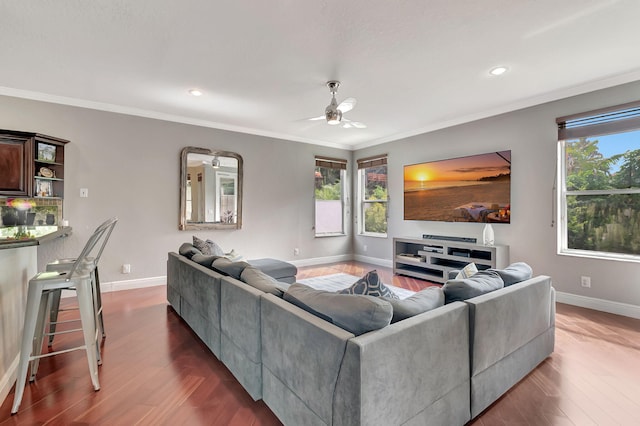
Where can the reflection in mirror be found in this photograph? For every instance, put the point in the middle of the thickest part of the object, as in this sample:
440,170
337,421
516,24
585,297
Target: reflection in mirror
210,189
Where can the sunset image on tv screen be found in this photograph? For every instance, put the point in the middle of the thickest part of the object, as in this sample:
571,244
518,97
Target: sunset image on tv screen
466,189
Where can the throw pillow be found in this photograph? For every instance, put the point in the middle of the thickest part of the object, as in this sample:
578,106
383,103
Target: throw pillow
204,260
227,267
370,285
207,247
188,250
480,283
423,301
467,271
263,282
357,314
514,273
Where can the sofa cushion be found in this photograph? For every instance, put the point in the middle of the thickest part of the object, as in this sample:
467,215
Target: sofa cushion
352,312
467,272
480,283
227,267
207,247
275,268
188,250
423,301
514,273
204,259
370,285
263,282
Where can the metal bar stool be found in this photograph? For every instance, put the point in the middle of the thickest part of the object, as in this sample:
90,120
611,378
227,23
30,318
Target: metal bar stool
40,288
64,265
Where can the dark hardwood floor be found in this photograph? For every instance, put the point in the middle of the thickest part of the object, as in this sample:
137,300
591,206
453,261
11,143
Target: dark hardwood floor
157,372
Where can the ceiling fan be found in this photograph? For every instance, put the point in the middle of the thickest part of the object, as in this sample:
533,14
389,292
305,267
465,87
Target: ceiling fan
333,113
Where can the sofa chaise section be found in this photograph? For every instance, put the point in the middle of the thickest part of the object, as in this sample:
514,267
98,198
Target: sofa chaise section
512,331
412,372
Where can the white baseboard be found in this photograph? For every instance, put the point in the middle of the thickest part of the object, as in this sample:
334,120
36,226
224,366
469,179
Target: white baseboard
322,260
8,379
374,260
124,285
132,284
624,309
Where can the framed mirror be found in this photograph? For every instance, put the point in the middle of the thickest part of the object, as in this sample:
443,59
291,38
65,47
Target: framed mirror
210,189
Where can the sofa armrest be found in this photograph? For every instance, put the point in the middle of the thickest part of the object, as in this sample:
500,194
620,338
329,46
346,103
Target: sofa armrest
504,320
395,374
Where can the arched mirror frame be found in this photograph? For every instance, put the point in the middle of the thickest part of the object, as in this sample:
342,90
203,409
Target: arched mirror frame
184,224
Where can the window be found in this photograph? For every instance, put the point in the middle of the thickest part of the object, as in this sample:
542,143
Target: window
330,196
372,195
599,169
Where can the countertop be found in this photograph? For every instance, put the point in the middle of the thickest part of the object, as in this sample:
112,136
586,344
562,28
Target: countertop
23,236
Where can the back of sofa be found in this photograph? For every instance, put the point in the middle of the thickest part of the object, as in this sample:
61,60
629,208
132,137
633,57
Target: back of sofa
512,331
240,342
194,293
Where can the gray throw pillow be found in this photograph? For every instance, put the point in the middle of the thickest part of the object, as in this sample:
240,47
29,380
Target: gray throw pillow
423,301
370,285
480,283
188,250
355,313
227,267
514,273
263,282
207,247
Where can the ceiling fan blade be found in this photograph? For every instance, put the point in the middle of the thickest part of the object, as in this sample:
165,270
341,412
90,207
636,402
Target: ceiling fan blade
347,105
316,118
348,124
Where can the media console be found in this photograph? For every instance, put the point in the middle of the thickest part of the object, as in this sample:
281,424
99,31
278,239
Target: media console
432,259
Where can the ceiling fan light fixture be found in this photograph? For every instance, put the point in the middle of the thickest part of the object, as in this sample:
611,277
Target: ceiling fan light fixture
332,113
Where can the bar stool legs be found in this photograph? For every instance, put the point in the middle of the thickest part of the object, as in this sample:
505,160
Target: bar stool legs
33,333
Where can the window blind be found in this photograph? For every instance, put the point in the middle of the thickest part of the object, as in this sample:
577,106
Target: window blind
378,160
331,163
605,121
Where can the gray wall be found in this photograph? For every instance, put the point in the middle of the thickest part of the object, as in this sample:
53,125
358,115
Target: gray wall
131,167
531,135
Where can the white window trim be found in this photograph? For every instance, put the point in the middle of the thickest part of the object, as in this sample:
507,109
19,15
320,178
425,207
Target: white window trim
561,216
361,204
344,179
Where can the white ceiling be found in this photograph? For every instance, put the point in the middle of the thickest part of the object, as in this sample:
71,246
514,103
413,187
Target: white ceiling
413,66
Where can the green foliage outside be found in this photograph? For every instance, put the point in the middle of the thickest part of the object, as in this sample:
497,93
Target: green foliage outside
329,192
375,214
607,223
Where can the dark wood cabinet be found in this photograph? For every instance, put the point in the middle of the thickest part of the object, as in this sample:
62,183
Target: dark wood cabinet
31,165
15,165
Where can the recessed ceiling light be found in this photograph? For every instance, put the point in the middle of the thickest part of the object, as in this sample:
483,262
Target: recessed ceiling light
498,70
195,92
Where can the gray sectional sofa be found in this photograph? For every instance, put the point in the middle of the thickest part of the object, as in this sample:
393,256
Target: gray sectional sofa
442,367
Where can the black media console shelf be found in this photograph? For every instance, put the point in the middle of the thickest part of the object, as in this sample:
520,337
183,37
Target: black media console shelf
431,259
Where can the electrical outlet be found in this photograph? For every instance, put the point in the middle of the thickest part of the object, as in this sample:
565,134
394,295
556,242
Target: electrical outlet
364,247
84,192
296,251
585,281
126,268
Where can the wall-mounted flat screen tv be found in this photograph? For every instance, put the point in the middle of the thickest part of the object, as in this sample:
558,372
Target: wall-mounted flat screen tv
465,189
